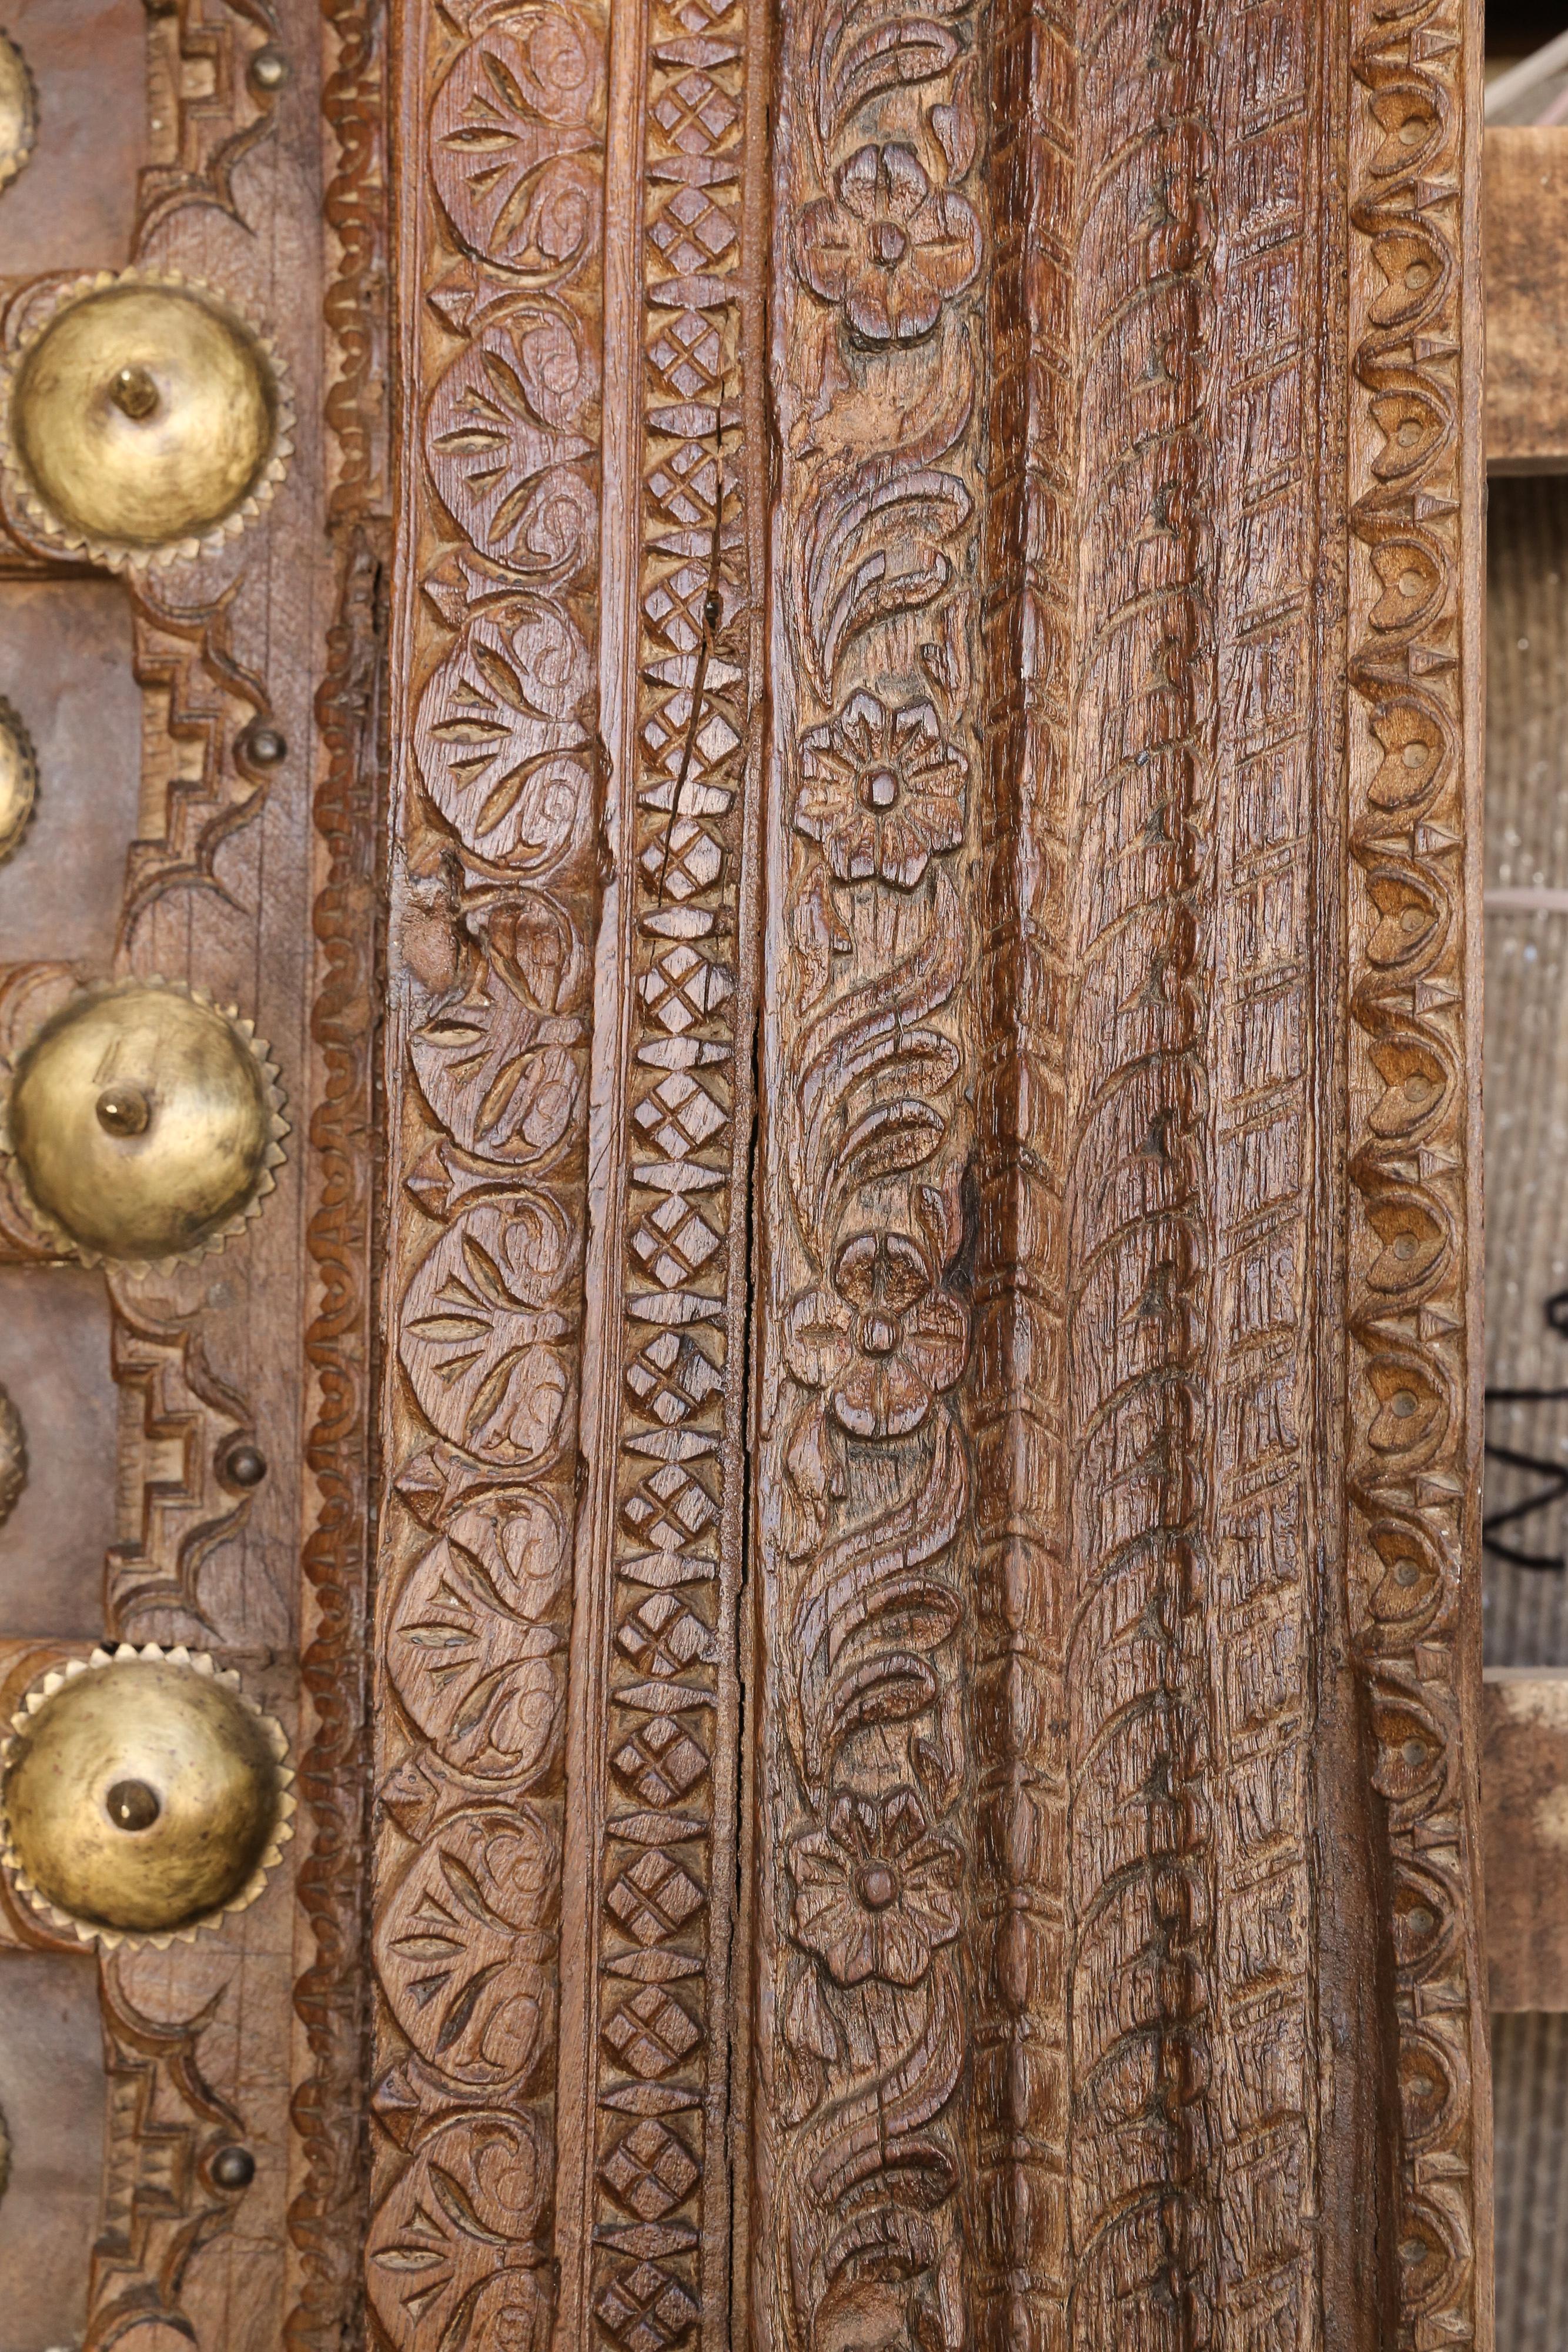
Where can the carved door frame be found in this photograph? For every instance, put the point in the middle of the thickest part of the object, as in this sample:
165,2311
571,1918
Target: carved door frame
886,1174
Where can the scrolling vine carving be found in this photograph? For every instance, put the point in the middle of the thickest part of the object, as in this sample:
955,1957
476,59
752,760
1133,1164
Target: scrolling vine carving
868,1752
1046,1563
327,2215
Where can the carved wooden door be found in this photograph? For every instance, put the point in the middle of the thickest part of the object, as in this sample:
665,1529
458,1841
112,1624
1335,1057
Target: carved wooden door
741,1210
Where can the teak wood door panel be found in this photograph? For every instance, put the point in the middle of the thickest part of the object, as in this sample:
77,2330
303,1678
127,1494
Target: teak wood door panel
834,743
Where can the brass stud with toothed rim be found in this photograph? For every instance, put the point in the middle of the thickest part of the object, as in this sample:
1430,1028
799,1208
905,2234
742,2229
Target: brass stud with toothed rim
144,1122
144,1794
18,110
144,417
18,780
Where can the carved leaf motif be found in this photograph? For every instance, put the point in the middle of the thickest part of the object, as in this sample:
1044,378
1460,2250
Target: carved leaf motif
862,1069
891,53
500,1063
508,131
874,1609
483,1687
503,435
501,740
521,1540
476,1902
442,2247
871,547
480,1337
516,1534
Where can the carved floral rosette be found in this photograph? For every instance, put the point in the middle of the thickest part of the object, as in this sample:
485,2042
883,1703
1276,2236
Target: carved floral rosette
495,906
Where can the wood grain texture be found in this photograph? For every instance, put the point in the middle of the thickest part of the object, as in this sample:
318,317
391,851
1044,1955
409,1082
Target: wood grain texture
1524,1775
870,1331
1075,1044
1526,204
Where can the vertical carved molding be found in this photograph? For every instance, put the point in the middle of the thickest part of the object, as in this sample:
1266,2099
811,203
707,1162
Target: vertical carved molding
1132,1608
1017,2214
865,1774
1413,1425
327,2210
494,889
1139,1208
644,2220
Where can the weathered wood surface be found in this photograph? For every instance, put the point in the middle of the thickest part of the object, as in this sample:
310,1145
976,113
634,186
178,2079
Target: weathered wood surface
1525,259
1524,1792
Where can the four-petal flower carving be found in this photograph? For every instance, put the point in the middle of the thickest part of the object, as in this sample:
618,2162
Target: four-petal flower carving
883,791
887,248
883,1342
875,1890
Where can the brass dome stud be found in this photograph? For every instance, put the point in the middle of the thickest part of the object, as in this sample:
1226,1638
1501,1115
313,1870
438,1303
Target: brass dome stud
18,780
18,110
145,1123
144,418
144,1795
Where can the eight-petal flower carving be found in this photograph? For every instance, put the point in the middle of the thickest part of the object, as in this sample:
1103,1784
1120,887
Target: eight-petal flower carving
875,1890
884,791
884,1341
887,247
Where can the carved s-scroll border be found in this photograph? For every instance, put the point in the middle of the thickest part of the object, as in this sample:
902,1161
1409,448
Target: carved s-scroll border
1412,1430
327,2215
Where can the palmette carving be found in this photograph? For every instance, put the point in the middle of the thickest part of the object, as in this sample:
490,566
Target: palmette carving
494,900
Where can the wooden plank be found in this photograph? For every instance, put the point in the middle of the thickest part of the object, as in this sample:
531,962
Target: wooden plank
1524,1801
1525,259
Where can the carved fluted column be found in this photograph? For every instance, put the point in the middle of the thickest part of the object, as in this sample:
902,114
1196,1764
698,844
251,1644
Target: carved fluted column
1116,1902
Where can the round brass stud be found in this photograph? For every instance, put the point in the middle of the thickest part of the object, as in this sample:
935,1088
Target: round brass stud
18,110
145,1123
18,780
268,71
244,1465
143,1795
265,745
233,2166
144,418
